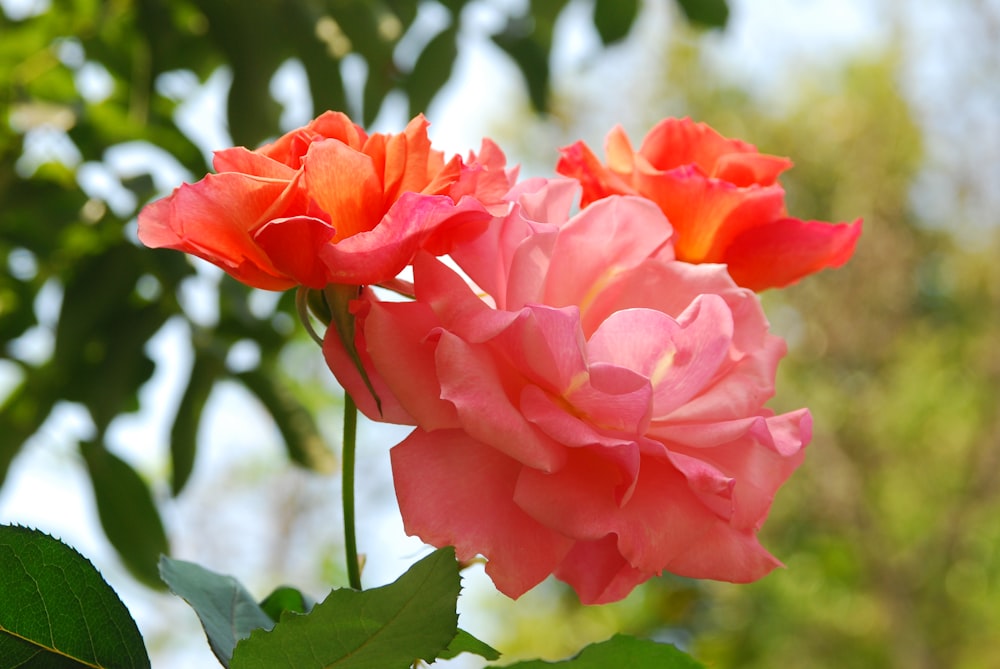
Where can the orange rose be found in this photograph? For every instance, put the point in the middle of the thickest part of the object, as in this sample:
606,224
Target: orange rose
326,203
721,197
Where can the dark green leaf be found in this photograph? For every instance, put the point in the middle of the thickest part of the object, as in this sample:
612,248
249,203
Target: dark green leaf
466,643
102,333
432,70
127,512
184,434
227,611
56,610
621,651
283,599
382,628
614,18
708,13
532,59
528,40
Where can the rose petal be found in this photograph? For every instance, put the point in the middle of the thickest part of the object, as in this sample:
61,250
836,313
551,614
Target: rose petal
294,246
598,572
397,335
214,219
478,387
344,183
453,490
608,237
788,249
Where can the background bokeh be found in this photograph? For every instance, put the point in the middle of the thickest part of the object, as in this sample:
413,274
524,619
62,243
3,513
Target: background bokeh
148,403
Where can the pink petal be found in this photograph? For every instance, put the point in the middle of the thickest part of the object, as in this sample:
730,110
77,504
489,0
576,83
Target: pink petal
481,387
343,367
742,391
598,572
397,338
724,554
453,490
608,237
582,499
613,398
544,345
570,430
760,462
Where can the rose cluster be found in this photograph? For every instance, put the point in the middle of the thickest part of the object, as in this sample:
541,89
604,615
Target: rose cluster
588,368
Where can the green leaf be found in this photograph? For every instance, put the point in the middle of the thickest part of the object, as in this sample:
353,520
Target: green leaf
432,70
531,58
382,628
56,610
708,13
466,643
286,598
621,651
184,434
127,512
528,40
614,18
227,611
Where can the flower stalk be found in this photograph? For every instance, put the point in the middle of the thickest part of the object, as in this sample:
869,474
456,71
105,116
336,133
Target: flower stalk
350,536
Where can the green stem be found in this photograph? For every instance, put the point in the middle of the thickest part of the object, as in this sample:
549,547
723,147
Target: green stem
350,539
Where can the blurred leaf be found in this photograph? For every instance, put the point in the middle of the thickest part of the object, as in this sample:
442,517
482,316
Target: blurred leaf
466,643
621,651
614,18
102,333
388,627
432,70
23,412
528,40
57,611
228,613
298,428
128,515
531,57
286,598
708,13
205,370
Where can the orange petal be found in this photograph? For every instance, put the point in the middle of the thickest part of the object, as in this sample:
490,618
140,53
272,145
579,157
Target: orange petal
676,142
343,182
787,250
214,220
580,163
707,213
293,245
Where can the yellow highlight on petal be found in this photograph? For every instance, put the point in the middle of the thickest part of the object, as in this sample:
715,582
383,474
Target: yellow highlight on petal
662,366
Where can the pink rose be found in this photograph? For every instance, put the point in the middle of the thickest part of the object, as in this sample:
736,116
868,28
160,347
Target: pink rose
722,198
328,203
593,409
